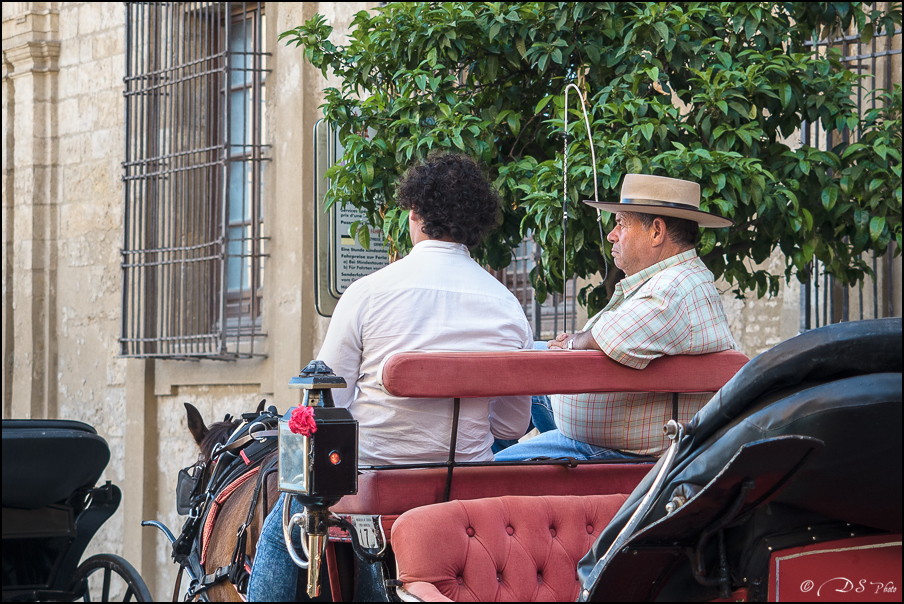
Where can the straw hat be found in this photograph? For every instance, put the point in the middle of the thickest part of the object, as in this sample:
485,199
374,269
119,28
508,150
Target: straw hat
664,197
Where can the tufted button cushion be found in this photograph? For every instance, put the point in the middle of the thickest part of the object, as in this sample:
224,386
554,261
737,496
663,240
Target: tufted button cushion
530,563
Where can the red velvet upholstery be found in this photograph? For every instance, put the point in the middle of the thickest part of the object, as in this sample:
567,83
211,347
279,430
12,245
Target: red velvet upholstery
499,549
392,492
523,372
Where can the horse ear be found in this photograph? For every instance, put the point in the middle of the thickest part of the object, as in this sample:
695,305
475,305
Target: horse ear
195,423
260,405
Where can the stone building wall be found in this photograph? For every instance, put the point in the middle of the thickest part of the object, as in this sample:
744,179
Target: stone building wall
62,216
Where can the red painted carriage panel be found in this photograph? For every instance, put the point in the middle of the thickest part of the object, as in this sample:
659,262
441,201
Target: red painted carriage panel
866,569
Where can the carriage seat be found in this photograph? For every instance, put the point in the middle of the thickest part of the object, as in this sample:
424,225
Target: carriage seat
46,461
499,549
389,492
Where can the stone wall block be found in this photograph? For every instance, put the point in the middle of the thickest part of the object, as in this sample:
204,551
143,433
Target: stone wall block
67,116
68,21
95,76
101,178
90,17
85,49
110,115
116,372
87,111
118,69
114,411
108,43
69,53
112,15
71,148
102,142
67,78
77,252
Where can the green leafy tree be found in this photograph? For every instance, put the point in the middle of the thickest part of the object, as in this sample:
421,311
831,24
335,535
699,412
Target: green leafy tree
710,92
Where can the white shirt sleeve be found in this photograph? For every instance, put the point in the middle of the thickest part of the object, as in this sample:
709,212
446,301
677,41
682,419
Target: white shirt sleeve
510,415
342,346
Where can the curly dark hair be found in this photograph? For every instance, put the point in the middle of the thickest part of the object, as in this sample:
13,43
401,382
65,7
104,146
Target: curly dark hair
450,193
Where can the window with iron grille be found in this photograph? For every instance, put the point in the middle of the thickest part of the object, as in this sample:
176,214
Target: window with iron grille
193,250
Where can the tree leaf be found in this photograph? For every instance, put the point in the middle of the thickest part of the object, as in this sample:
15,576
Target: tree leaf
707,242
876,226
364,237
662,30
542,104
829,196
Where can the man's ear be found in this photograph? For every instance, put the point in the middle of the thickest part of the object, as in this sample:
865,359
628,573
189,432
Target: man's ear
658,233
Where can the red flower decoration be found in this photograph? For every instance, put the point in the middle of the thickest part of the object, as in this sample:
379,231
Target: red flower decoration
302,421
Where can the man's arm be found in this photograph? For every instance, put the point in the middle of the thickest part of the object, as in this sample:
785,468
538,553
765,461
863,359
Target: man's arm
509,416
342,347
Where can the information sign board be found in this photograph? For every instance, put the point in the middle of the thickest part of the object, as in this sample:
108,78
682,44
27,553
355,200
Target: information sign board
339,259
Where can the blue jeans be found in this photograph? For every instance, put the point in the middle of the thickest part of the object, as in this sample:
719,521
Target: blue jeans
274,577
553,444
541,418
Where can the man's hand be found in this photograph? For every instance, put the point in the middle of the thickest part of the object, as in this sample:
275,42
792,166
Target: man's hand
583,340
560,341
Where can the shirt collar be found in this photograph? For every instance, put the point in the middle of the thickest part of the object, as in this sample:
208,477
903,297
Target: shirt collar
636,280
432,245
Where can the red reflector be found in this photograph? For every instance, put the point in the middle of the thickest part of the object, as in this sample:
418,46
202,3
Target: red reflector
335,458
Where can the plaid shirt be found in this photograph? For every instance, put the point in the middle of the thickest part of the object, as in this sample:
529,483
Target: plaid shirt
669,308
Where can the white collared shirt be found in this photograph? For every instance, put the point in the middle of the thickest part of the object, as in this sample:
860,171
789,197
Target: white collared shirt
436,298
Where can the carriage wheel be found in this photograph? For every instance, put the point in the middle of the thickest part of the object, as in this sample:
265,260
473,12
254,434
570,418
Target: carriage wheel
107,578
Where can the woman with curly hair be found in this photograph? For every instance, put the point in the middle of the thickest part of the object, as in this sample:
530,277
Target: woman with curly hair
435,298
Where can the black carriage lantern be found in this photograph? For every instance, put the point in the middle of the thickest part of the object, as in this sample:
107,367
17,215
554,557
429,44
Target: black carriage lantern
318,466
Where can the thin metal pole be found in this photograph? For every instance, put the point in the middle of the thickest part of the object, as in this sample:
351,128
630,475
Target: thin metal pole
224,210
875,286
816,291
456,411
123,321
574,287
596,195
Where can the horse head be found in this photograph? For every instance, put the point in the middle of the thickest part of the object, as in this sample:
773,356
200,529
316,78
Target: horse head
208,437
232,516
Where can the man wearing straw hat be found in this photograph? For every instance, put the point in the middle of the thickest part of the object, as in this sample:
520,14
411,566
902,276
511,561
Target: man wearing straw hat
667,304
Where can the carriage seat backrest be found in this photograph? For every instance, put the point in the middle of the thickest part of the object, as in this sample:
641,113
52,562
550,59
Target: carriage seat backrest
46,461
428,374
478,374
499,549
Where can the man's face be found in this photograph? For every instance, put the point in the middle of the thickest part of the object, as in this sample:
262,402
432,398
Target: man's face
632,249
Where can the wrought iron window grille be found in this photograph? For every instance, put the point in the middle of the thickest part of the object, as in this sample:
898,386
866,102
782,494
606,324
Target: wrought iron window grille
195,154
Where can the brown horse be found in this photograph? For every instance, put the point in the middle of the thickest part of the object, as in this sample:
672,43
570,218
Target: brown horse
234,509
